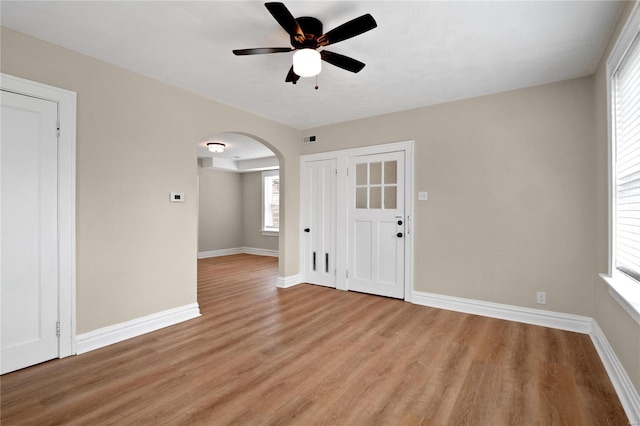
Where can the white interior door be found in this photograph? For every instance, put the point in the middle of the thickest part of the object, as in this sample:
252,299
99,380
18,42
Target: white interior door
376,224
320,222
29,226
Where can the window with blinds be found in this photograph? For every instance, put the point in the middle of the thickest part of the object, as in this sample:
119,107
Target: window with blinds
626,103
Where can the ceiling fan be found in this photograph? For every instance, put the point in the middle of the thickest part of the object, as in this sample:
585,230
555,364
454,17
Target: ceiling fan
307,37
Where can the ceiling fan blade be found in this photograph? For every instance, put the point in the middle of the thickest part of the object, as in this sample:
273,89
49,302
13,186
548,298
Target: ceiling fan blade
292,76
342,61
286,20
347,30
262,50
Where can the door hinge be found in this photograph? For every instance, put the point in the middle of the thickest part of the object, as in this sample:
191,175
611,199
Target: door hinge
58,129
58,328
347,273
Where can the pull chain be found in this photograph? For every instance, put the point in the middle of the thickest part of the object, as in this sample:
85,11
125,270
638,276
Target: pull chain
316,81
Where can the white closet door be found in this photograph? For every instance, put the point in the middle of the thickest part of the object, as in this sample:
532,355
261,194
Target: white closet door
319,194
29,243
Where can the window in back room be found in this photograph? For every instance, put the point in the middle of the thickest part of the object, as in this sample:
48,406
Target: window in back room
270,201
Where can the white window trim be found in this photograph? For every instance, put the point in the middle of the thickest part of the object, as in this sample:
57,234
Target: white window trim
269,232
625,290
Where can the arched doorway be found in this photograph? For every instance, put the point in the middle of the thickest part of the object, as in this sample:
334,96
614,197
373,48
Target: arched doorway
237,189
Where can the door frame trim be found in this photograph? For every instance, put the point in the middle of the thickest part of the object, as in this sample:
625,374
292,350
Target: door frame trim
342,160
66,101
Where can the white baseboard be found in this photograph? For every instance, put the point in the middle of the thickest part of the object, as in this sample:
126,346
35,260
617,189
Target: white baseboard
260,252
216,253
627,393
237,250
540,317
286,282
622,384
118,332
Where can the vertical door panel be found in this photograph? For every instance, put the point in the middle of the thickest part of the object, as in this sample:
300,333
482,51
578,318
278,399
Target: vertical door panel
363,250
320,219
387,243
29,244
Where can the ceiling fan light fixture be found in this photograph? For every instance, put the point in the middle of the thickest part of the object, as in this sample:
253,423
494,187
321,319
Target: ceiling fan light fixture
216,147
306,62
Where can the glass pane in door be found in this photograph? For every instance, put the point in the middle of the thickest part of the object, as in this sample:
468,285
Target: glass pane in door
361,198
361,174
375,192
390,172
375,173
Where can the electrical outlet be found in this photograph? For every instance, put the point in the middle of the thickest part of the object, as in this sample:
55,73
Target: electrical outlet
541,298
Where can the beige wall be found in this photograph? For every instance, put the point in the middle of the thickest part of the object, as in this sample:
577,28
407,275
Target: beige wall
230,211
136,143
622,332
252,213
510,182
220,210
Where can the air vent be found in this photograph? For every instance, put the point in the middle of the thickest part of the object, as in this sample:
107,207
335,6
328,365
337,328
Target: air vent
309,139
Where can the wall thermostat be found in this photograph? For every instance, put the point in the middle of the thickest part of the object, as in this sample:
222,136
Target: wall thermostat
177,197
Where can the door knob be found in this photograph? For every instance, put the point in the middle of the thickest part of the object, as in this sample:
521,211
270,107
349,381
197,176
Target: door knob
399,234
399,222
307,230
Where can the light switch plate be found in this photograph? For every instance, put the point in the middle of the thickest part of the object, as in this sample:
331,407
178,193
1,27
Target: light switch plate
422,196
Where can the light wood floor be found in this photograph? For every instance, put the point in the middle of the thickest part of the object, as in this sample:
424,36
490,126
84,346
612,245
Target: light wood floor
314,355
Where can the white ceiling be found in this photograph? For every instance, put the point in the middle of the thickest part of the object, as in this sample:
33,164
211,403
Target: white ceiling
242,154
422,53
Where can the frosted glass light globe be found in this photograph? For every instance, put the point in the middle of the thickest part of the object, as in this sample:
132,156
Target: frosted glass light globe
306,62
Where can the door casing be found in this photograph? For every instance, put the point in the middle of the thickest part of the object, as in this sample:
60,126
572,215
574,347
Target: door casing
342,163
66,101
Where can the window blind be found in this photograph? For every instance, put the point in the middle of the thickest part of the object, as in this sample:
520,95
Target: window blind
627,161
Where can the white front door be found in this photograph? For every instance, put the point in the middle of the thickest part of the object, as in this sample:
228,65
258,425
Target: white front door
376,224
29,226
319,198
